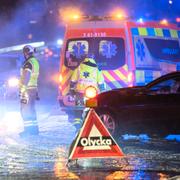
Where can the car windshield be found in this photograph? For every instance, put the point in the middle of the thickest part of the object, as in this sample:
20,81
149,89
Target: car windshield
109,53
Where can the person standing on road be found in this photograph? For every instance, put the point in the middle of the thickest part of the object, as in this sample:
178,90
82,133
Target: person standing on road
28,91
85,75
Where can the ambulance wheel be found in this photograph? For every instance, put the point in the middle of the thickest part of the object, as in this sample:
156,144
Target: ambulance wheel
109,120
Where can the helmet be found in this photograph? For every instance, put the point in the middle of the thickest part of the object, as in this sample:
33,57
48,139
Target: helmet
28,50
90,60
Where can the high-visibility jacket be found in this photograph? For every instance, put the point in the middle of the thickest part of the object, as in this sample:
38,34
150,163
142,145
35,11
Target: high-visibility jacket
31,65
87,74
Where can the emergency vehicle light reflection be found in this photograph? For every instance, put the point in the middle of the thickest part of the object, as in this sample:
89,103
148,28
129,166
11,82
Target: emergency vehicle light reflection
59,42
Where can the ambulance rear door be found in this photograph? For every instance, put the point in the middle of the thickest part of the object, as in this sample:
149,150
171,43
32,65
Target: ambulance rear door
105,42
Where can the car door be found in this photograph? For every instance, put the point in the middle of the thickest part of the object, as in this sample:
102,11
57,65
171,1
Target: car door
162,107
152,109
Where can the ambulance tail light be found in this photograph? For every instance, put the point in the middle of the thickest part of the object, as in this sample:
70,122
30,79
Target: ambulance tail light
60,78
60,81
90,92
130,79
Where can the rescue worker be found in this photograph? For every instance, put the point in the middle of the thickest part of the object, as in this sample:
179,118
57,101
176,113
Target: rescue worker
28,91
86,74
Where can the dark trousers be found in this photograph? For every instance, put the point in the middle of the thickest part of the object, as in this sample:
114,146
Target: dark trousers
28,113
75,114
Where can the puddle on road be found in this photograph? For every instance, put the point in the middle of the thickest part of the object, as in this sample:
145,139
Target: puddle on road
46,156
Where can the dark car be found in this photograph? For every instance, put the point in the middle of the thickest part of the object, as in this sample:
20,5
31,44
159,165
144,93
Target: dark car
152,109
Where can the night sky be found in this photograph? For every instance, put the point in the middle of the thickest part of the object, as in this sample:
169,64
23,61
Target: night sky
36,20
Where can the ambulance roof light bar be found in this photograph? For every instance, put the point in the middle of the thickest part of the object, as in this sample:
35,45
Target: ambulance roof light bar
73,15
100,18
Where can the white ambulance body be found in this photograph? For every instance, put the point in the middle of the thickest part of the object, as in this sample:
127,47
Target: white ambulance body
128,53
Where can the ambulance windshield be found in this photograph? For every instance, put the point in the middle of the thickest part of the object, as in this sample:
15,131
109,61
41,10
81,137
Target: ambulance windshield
108,52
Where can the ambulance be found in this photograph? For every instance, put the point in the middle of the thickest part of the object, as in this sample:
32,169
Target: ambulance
129,53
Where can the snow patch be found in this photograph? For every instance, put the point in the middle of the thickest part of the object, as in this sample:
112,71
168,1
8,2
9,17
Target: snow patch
172,137
140,137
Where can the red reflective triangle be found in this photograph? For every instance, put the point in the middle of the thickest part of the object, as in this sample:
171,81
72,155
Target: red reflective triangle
94,140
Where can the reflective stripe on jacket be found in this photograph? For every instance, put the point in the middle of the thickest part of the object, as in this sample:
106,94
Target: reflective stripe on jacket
86,75
31,65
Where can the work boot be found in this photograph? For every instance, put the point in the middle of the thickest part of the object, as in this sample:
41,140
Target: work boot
30,131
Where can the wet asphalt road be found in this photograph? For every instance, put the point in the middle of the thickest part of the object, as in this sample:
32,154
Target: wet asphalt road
45,156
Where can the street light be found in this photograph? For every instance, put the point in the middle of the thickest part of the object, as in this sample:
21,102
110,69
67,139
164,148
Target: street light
170,1
59,42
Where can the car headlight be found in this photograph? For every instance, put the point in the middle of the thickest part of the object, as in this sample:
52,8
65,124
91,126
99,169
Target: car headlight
13,82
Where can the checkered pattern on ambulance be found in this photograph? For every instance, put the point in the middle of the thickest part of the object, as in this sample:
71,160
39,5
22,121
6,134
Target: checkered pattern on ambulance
148,67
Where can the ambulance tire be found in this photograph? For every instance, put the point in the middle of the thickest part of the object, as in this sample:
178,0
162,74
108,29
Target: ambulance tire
110,121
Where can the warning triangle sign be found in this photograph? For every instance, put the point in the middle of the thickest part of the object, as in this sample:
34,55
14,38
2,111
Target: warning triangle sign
94,140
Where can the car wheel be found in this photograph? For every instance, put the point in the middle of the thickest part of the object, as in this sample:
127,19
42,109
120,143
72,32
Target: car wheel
109,120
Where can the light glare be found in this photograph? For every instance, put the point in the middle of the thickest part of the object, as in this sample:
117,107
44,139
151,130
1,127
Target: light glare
140,20
118,14
70,14
170,1
12,122
13,82
164,22
90,92
59,41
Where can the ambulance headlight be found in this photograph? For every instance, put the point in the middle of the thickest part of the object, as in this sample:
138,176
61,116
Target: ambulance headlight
90,92
13,82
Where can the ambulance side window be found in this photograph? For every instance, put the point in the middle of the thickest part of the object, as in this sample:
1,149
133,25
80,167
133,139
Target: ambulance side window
76,51
164,49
